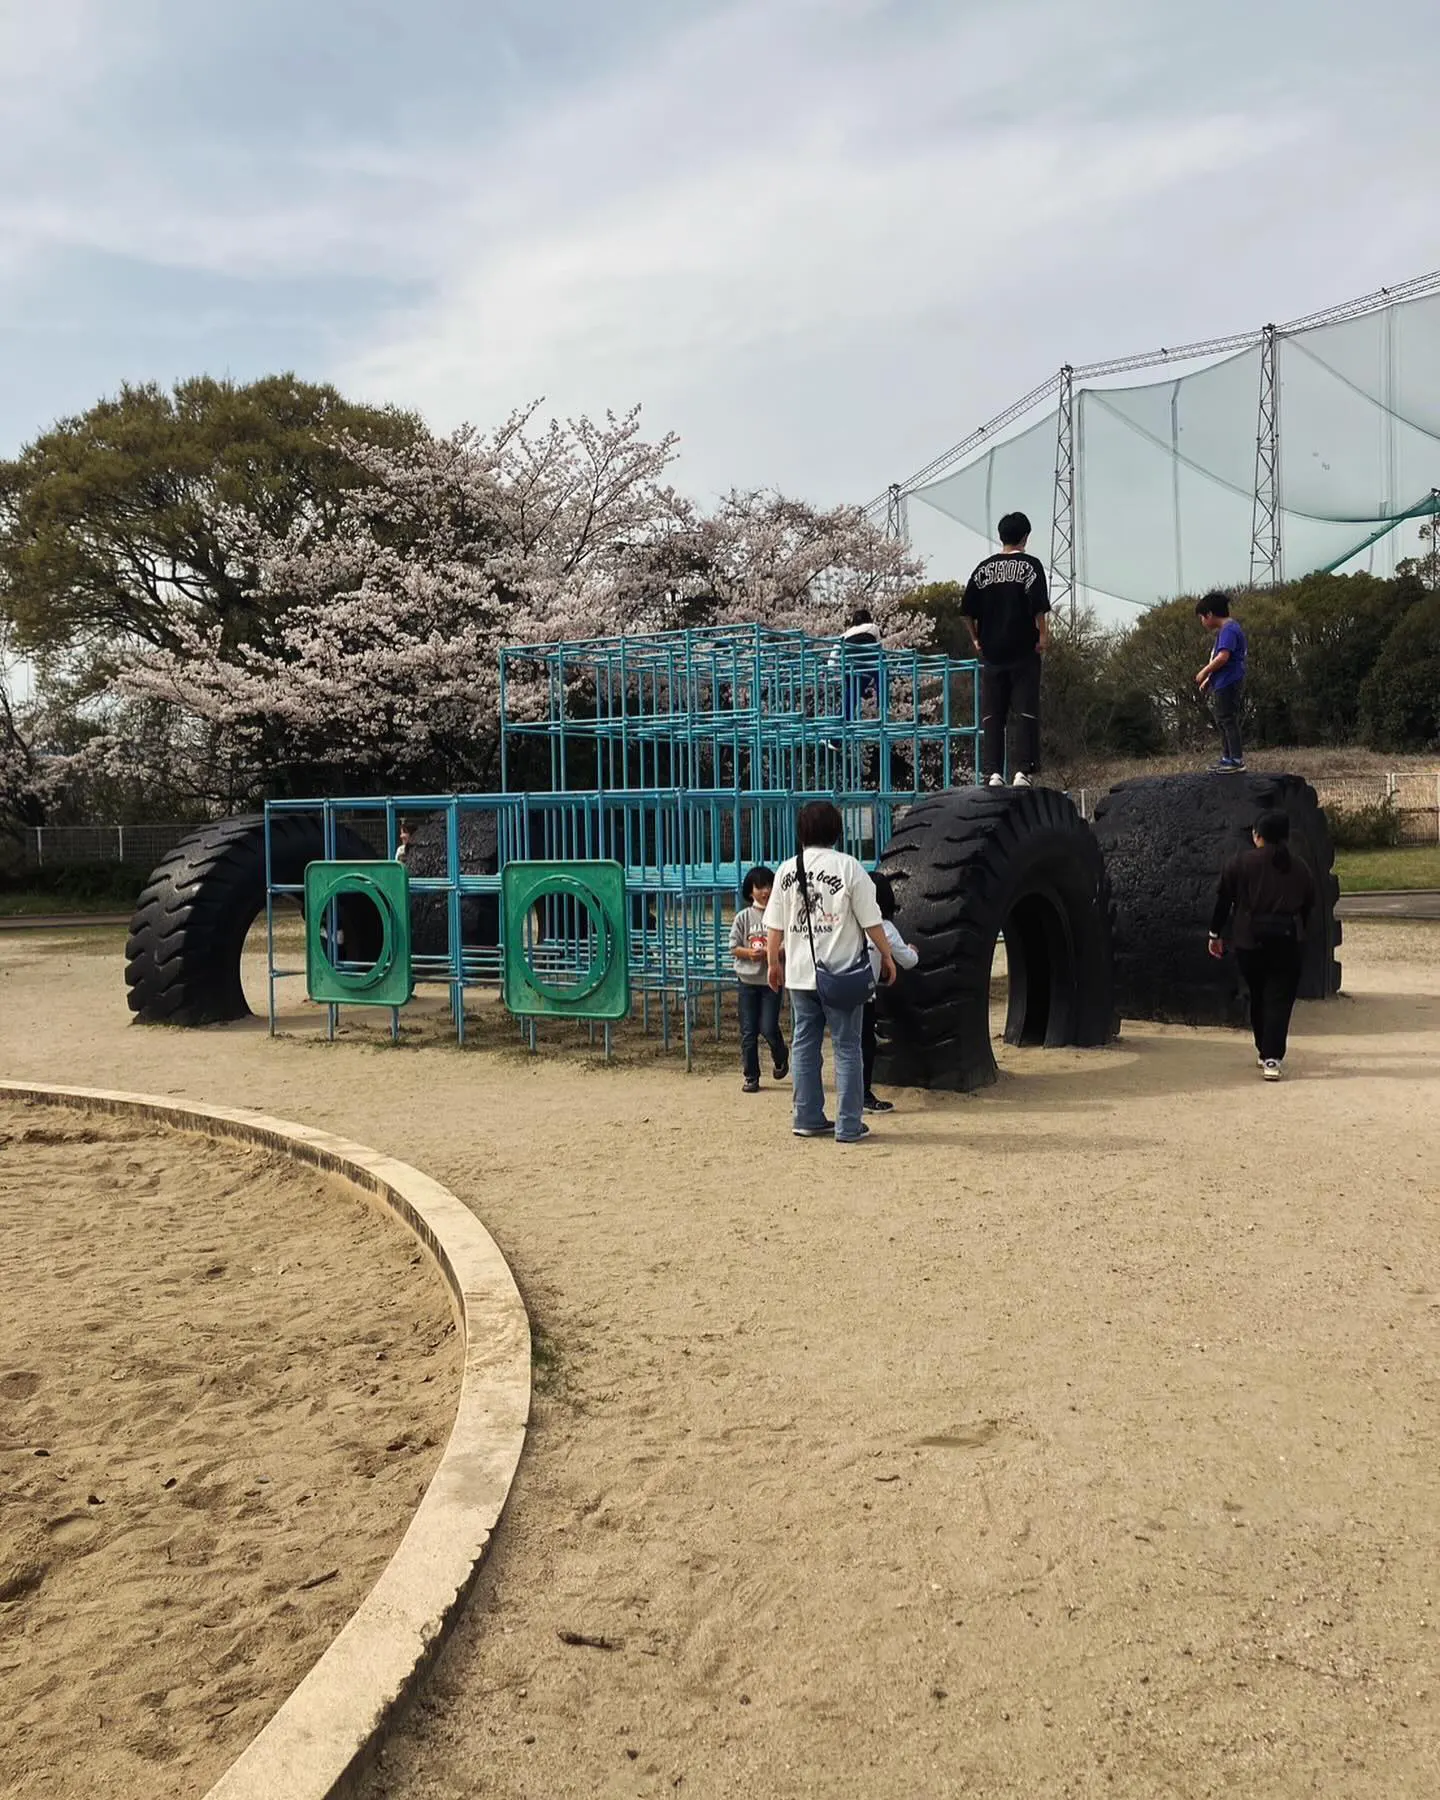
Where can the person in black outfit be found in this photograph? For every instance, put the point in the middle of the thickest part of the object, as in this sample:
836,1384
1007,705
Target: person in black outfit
1266,897
1007,608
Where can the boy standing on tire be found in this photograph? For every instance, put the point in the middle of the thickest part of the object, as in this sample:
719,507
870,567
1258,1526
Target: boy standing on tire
1007,607
1223,678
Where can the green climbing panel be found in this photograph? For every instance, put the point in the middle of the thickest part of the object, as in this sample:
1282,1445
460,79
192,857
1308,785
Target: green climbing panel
567,946
330,978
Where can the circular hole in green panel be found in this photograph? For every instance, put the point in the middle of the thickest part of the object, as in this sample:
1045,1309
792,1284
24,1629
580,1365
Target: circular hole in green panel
357,934
567,943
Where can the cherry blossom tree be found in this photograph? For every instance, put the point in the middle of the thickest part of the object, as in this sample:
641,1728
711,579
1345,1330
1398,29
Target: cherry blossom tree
382,667
28,780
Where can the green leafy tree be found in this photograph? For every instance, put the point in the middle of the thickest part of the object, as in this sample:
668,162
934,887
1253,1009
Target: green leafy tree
939,602
1400,701
1340,624
115,525
1157,659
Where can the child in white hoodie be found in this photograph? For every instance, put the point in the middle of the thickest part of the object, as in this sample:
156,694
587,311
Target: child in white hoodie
906,956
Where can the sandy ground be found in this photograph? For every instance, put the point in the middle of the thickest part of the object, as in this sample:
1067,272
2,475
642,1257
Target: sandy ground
224,1382
1078,1438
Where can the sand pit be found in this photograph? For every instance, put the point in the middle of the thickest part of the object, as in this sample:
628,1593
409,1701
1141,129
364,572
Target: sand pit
224,1383
1073,1439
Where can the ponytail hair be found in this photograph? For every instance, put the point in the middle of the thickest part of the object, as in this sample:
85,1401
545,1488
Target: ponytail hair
1273,831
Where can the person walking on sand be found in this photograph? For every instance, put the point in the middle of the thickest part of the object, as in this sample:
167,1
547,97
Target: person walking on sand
821,911
1223,678
1007,608
1266,898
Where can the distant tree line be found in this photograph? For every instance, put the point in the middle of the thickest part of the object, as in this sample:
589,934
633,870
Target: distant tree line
1334,659
230,591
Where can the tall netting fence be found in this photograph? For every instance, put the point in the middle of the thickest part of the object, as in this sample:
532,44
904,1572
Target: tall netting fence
1165,472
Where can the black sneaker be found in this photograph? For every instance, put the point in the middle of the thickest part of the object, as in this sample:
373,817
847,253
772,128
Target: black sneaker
874,1104
751,1085
782,1068
826,1129
864,1133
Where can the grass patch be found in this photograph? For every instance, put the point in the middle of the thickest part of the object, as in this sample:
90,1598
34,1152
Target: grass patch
39,906
74,888
1372,871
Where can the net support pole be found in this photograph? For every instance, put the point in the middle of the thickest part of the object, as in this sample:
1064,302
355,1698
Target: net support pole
1062,530
1265,559
897,514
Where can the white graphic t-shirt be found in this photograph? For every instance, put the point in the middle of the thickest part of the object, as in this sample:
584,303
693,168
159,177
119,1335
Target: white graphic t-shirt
842,905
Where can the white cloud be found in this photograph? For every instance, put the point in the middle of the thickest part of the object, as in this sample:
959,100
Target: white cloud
758,191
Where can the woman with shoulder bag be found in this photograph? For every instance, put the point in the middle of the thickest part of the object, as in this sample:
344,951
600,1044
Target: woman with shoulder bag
822,909
1266,898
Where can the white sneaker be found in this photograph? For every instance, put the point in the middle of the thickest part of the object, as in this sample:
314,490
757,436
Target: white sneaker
1022,780
1271,1070
996,781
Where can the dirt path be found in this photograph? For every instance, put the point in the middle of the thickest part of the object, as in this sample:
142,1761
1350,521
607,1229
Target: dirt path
1075,1439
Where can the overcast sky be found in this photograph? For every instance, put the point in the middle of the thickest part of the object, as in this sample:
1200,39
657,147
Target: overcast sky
819,238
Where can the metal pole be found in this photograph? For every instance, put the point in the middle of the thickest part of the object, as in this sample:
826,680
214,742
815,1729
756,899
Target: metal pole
1265,548
1062,531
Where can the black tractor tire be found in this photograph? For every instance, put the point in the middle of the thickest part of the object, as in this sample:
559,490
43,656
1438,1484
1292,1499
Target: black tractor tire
967,865
1165,839
427,859
182,957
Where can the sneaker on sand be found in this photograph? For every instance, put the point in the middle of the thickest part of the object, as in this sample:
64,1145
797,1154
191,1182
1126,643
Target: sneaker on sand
864,1133
996,781
874,1104
751,1086
825,1130
1271,1069
1022,780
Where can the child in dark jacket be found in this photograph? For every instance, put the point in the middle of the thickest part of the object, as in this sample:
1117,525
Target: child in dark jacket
759,1005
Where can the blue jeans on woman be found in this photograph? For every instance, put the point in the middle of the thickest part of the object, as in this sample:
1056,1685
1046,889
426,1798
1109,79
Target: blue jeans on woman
807,1060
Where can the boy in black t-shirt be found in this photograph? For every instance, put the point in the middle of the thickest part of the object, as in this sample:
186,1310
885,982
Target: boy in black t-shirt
1007,607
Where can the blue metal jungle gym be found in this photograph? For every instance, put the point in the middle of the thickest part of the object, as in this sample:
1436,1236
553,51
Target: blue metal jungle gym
674,762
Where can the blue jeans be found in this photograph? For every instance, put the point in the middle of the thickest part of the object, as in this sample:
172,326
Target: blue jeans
806,1064
1226,702
759,1018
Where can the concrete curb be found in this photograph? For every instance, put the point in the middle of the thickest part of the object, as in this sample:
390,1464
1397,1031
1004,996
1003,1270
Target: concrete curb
324,1732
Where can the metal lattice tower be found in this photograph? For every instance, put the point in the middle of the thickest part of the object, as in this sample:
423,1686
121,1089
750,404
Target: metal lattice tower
1265,557
897,514
1062,534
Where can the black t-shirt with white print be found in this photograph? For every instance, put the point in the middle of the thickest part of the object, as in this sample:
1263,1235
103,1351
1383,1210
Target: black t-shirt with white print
1005,596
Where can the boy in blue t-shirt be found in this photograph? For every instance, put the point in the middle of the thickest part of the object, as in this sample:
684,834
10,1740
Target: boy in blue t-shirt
1223,678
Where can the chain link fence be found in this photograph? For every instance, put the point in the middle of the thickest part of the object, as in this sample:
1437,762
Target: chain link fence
1414,795
54,846
51,846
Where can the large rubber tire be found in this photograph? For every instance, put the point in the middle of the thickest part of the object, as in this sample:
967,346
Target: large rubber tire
967,865
1165,839
182,957
427,858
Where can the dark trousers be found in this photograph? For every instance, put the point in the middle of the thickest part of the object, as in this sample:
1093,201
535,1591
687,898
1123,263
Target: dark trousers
759,1018
1007,688
867,1045
1226,702
860,685
1272,974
